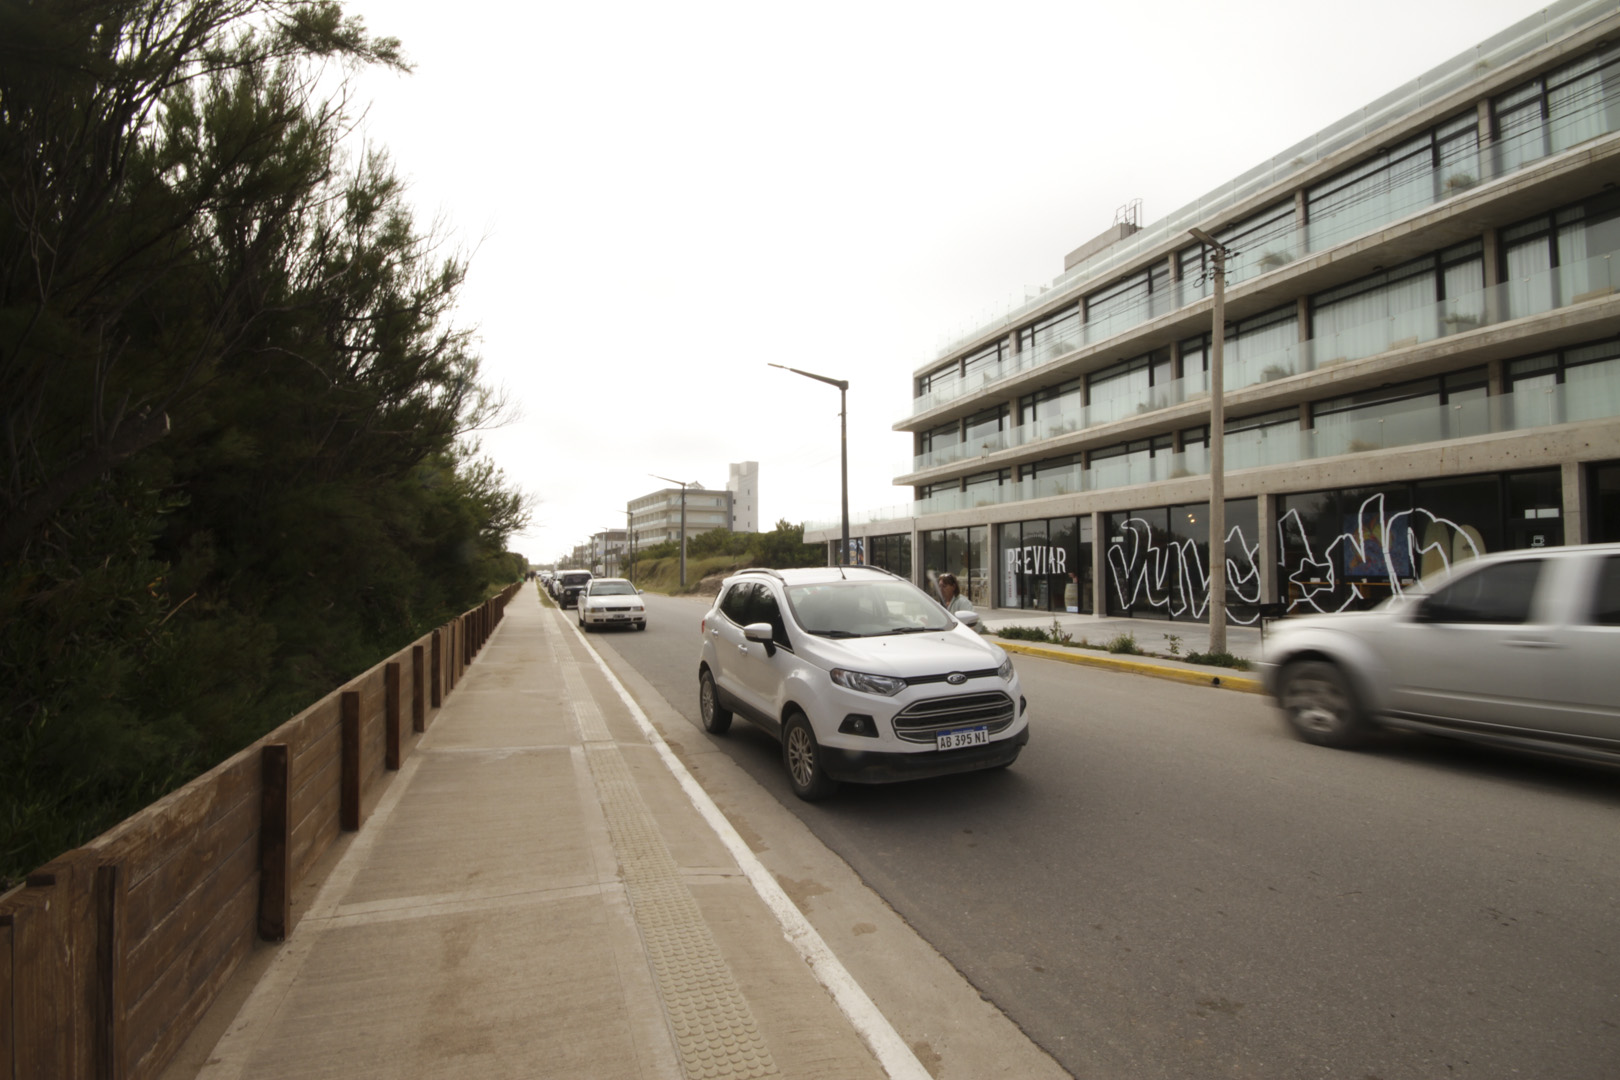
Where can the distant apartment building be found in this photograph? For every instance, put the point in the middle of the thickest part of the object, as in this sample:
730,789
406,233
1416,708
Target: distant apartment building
608,549
744,488
656,516
1421,361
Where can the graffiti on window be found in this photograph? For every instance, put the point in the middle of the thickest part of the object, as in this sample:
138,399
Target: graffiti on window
1148,569
1375,548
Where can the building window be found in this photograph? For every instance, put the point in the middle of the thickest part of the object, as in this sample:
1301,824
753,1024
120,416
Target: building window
987,488
1051,336
1562,257
985,365
1054,410
984,430
963,552
1394,183
1578,101
1582,383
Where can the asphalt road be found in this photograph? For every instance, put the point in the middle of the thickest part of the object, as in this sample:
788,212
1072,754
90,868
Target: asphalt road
1166,884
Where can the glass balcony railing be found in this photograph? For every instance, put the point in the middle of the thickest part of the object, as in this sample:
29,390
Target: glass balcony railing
1591,392
1597,114
1536,294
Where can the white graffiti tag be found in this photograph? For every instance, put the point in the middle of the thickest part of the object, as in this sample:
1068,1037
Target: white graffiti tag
1387,550
1172,577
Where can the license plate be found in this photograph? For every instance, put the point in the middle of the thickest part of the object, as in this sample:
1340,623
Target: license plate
621,616
955,740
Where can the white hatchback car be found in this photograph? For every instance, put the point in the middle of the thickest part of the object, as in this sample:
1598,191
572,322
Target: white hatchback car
860,674
611,601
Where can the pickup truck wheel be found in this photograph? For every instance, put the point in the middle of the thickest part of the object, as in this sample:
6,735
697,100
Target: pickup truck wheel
716,717
1320,704
802,756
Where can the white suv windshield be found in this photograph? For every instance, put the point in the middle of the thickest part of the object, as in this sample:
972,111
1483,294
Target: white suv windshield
843,609
613,588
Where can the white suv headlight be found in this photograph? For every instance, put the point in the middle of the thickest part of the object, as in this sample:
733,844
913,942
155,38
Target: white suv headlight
1005,670
883,685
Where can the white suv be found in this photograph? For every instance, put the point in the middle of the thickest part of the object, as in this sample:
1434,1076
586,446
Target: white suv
860,674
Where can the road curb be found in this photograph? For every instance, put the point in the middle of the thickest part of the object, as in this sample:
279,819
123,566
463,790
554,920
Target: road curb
1240,683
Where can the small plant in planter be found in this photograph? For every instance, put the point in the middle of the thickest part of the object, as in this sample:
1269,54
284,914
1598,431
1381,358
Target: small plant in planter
1273,259
1458,182
1275,371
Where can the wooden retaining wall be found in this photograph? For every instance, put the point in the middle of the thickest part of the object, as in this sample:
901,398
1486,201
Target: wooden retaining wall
111,954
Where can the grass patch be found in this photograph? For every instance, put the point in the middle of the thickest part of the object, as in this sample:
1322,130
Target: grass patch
664,575
1218,659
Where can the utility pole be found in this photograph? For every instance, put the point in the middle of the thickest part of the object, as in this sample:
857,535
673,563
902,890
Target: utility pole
683,484
630,543
1217,449
843,451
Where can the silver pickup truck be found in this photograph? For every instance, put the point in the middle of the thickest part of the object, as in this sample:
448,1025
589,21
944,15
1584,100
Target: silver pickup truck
1516,648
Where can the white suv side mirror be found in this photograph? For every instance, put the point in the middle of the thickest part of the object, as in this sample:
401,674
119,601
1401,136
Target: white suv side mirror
761,632
967,618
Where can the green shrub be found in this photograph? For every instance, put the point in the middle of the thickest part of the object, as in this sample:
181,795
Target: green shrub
1125,643
1022,633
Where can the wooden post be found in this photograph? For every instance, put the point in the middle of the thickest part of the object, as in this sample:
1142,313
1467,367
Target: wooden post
418,705
436,690
391,715
109,1019
349,802
275,847
40,999
8,1032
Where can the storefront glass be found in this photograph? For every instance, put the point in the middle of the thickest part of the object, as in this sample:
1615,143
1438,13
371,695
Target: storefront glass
1158,562
1605,503
1045,565
961,552
1349,550
891,552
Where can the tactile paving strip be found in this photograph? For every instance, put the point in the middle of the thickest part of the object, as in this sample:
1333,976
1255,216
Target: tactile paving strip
715,1032
714,1029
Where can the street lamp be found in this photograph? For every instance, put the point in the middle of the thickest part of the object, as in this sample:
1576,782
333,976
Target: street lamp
684,485
1217,449
843,450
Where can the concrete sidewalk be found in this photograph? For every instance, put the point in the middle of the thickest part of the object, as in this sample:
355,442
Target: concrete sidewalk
536,894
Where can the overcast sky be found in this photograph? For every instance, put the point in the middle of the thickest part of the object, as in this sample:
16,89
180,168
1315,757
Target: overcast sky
660,199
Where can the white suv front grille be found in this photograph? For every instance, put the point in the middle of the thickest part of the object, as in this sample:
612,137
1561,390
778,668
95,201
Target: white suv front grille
921,721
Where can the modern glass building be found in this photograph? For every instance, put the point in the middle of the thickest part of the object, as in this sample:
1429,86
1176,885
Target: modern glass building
1421,363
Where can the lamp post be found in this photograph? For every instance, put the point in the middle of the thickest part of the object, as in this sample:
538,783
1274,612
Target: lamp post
683,484
843,451
1217,448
